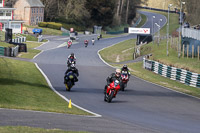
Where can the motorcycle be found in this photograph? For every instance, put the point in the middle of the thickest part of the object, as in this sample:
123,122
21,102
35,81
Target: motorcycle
70,62
125,79
69,43
69,80
86,43
111,91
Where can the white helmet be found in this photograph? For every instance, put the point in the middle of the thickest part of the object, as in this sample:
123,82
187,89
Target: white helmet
118,72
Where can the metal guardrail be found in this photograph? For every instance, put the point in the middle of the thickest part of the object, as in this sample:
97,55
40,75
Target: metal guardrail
19,39
2,51
181,75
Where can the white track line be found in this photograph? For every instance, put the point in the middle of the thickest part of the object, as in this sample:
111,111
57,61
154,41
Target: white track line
50,85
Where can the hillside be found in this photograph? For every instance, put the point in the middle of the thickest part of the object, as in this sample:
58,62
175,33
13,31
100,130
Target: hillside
191,8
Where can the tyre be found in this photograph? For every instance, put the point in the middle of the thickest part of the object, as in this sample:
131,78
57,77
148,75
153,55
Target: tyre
110,97
68,86
105,99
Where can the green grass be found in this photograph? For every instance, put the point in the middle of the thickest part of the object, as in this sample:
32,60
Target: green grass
159,53
23,87
123,50
47,31
23,129
143,21
31,51
4,44
138,71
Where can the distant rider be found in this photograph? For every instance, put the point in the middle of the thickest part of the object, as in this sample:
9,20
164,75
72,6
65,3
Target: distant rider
86,43
125,69
71,58
93,41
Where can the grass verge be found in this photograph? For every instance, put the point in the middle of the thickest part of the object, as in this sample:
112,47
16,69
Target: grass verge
20,129
123,51
158,54
31,51
143,21
23,87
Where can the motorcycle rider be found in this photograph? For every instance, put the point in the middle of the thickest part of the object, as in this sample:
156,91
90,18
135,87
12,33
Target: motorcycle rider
125,69
86,43
74,70
113,77
70,58
93,41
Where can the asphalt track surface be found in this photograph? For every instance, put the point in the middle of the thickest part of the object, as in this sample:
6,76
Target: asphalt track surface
142,108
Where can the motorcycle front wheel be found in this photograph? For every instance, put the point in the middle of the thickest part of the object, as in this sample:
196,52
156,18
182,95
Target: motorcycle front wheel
110,97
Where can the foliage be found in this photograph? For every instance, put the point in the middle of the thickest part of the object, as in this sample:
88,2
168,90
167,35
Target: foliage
51,25
91,12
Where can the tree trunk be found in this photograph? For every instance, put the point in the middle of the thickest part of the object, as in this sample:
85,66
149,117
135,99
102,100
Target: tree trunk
127,11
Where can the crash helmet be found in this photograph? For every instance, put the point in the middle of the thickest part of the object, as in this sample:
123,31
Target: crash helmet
72,54
125,67
118,72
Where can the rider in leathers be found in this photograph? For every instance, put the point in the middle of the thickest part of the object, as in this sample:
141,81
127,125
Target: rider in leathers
125,69
75,72
113,77
71,57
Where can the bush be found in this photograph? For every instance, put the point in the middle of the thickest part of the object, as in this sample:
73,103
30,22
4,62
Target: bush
51,25
76,28
43,24
54,25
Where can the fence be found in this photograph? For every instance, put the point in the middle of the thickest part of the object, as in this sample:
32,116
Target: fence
191,33
2,51
19,39
7,51
181,75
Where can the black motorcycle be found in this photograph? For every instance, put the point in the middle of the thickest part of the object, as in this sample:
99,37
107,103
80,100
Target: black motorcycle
69,80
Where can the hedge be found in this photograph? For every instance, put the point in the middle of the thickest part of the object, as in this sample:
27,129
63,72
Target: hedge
51,25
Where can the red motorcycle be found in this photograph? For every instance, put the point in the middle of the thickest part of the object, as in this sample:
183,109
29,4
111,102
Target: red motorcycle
86,43
125,79
111,91
69,43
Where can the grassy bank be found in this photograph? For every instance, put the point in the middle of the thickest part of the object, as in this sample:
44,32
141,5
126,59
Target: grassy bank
14,129
120,52
143,21
159,54
23,87
31,51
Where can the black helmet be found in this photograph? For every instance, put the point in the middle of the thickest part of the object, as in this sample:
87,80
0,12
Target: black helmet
125,67
72,54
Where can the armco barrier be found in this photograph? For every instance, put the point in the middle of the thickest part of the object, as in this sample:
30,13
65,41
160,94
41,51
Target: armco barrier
2,51
19,39
181,75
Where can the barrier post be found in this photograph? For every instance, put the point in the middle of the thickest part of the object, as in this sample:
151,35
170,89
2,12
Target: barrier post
187,50
183,51
192,51
198,52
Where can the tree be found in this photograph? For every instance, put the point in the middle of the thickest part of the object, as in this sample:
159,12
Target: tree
75,9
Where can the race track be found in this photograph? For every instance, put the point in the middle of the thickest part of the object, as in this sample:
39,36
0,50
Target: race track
142,108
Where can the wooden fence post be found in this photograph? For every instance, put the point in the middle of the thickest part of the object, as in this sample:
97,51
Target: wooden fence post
198,52
192,51
187,50
183,50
